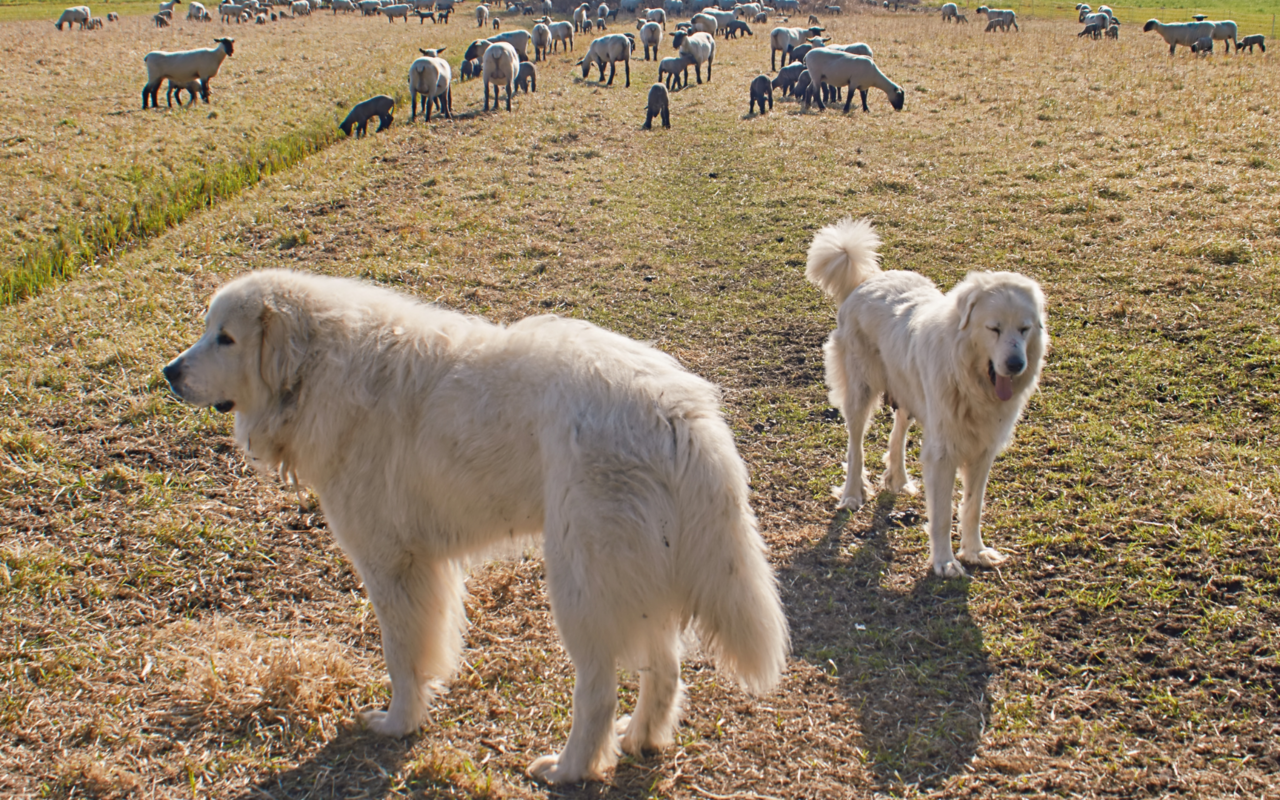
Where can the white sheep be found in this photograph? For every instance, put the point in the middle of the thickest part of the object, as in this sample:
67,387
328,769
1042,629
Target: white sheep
581,18
699,47
301,8
602,11
857,49
1005,16
430,76
722,18
561,32
747,11
783,39
400,10
183,68
1225,31
193,88
1085,10
704,23
1203,45
1179,33
168,6
499,67
76,14
1249,41
345,6
482,15
650,36
114,17
657,15
609,50
196,12
541,39
519,39
837,69
1099,19
949,11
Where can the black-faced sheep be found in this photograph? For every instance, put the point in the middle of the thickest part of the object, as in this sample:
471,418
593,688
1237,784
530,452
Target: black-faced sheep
761,89
857,72
380,107
183,67
498,68
609,50
735,28
787,77
75,14
699,47
1250,41
659,105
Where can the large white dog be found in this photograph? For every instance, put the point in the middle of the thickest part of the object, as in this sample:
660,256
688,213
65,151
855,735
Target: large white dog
963,364
430,436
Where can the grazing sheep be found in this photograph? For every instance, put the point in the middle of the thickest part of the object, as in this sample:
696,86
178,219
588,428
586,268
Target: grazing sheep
541,38
380,107
1225,31
301,8
962,18
161,20
192,87
519,39
498,68
857,72
184,67
346,6
704,23
857,49
482,15
747,10
659,104
1006,17
497,23
814,20
761,18
1250,41
400,10
949,11
802,84
561,32
1098,20
196,12
787,77
1113,32
761,89
1179,33
431,77
527,77
656,15
261,19
783,39
1202,45
114,17
609,49
699,47
94,23
650,37
834,10
723,19
469,69
676,71
1093,29
736,27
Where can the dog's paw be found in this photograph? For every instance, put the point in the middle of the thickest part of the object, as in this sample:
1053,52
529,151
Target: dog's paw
986,557
949,569
635,741
549,770
900,484
385,724
852,502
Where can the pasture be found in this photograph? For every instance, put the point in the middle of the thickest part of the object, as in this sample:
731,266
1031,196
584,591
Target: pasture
177,625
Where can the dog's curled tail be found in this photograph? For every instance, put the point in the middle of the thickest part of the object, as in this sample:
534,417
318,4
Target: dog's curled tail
842,256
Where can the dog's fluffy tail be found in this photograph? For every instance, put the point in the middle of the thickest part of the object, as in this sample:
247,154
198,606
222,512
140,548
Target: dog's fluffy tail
842,256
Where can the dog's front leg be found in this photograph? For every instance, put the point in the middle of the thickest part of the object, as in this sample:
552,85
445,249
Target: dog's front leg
939,485
420,611
972,551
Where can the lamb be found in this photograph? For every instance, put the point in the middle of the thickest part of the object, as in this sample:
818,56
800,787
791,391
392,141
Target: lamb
813,20
1093,29
527,77
783,39
1099,20
736,27
499,67
659,104
380,107
704,23
541,41
469,69
609,49
1202,45
834,10
76,14
699,47
650,37
482,15
1006,17
1250,41
787,77
1179,33
168,6
761,18
747,10
857,72
114,17
676,69
192,87
94,23
184,67
949,11
802,84
761,88
962,18
1113,32
400,10
430,76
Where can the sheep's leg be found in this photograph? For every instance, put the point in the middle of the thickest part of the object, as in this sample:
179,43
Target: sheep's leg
773,63
697,68
495,93
666,117
709,70
204,91
613,70
626,64
864,98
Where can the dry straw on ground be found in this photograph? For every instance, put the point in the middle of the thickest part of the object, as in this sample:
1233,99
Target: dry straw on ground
175,625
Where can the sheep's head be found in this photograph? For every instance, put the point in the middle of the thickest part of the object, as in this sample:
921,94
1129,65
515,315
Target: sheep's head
898,98
227,44
1151,25
816,30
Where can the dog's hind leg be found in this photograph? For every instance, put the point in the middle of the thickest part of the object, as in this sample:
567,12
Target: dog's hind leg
859,404
420,611
972,550
660,692
896,479
939,486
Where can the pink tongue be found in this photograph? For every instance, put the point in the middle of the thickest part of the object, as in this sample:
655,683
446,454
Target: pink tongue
1004,386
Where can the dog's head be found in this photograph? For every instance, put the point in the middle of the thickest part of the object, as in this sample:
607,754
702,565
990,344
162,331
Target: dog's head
1001,316
252,350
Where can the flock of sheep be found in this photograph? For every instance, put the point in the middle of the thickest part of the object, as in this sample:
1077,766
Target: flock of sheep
812,68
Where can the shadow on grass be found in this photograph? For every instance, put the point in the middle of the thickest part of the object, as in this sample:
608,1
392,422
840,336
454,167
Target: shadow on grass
909,659
353,764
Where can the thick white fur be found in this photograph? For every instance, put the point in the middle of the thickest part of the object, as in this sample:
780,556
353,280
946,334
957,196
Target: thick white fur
430,437
934,356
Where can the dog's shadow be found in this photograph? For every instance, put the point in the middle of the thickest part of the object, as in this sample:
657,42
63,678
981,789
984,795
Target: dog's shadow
355,763
907,656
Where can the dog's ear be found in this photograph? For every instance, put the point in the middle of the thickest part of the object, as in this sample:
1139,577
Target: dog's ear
285,336
966,299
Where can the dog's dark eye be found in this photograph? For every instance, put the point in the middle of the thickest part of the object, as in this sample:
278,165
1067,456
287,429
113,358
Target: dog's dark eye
1023,330
223,338
995,329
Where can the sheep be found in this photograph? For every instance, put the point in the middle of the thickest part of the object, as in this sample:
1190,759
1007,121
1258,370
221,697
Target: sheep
761,18
857,72
723,19
995,25
193,87
498,67
659,104
482,15
497,23
1093,29
803,81
547,7
609,49
949,11
602,11
196,12
1100,20
541,38
736,27
674,8
1202,45
400,10
747,10
519,39
442,16
704,23
1113,32
834,10
656,15
699,47
76,14
94,23
650,37
527,77
581,15
368,8
261,19
857,49
783,39
761,88
813,20
1007,17
1084,9
301,8
380,106
787,77
430,76
469,69
168,6
561,32
1179,33
1250,41
422,16
184,67
962,18
676,71
114,17
1225,31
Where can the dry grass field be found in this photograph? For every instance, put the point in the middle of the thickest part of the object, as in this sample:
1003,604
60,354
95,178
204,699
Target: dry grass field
176,625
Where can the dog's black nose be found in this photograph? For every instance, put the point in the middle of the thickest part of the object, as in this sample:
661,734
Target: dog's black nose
172,374
1015,365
